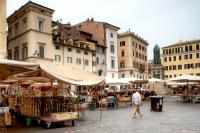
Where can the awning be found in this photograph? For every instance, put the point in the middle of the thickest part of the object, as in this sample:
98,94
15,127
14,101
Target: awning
67,73
10,67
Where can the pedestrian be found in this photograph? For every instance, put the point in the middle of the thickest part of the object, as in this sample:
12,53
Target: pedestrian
136,101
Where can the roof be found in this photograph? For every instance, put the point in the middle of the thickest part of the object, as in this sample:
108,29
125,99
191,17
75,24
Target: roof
182,43
128,33
105,23
30,3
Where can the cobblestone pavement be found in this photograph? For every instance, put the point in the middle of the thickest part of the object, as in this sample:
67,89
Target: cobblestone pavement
177,117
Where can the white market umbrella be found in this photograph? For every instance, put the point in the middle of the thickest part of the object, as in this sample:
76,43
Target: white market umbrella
186,78
155,80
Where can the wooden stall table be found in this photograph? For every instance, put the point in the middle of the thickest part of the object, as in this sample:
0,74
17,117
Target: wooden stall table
49,120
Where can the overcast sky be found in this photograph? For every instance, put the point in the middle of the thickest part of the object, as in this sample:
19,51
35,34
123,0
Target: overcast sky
161,22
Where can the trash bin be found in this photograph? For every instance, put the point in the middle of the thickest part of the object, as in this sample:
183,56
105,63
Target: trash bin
156,103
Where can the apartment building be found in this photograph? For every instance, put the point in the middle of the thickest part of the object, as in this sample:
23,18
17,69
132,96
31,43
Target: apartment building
132,56
73,46
30,34
3,25
106,48
182,58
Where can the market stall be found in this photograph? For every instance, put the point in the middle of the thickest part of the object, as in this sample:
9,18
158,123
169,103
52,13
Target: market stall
42,102
190,92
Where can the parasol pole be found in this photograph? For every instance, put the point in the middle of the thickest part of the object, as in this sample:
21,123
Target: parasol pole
101,103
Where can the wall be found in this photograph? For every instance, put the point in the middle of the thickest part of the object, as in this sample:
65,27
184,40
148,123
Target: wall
3,25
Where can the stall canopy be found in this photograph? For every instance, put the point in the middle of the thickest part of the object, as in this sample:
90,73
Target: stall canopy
115,81
67,73
154,80
186,78
10,67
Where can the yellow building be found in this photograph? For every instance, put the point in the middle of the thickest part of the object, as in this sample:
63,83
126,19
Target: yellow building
3,26
132,56
182,58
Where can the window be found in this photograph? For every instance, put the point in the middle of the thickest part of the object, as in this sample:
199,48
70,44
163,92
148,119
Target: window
197,65
136,45
179,67
170,76
122,43
10,54
186,48
123,75
176,50
10,32
197,74
78,51
24,52
133,43
166,76
78,61
166,51
170,58
140,47
122,64
25,24
97,60
197,46
69,60
16,53
57,47
112,48
57,58
41,25
186,56
41,51
113,75
86,62
180,57
112,63
139,55
69,49
165,59
174,67
136,54
133,52
166,68
170,51
86,53
16,28
179,49
190,56
170,67
197,55
123,53
174,58
111,35
190,47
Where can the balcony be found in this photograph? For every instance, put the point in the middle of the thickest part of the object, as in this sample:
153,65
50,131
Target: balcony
141,70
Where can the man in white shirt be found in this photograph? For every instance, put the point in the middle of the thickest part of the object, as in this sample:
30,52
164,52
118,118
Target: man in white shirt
136,100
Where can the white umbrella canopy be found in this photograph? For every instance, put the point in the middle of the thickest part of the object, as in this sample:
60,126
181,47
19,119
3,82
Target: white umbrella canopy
129,79
186,78
115,81
154,80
